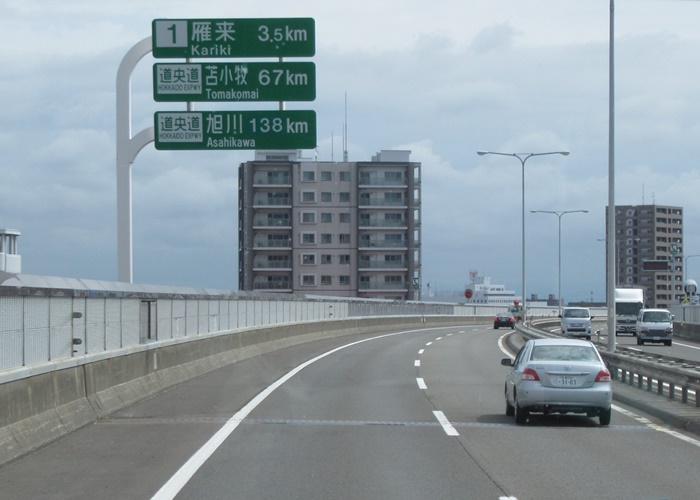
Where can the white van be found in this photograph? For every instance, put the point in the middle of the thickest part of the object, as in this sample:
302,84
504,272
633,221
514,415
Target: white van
654,325
576,322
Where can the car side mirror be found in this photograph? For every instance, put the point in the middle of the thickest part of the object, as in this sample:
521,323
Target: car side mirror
559,315
592,317
507,362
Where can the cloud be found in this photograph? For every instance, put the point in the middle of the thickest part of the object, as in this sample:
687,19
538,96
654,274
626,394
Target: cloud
442,79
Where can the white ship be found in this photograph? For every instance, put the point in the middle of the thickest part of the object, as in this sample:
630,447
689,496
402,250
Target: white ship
485,292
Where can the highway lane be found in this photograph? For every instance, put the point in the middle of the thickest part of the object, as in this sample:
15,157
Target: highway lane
681,348
415,415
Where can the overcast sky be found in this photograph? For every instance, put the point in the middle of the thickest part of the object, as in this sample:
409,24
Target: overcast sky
442,79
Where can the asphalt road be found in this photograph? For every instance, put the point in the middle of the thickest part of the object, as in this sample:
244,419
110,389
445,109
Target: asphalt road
407,415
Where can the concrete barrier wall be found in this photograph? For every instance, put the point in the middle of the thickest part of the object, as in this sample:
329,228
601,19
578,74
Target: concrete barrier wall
39,408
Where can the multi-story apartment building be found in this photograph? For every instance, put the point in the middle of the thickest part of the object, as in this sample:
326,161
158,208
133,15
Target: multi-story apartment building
347,229
646,237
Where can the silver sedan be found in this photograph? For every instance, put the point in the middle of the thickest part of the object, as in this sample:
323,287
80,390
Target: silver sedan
558,376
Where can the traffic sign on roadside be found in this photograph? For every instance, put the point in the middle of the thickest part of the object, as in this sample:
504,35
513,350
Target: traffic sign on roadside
209,130
240,81
226,38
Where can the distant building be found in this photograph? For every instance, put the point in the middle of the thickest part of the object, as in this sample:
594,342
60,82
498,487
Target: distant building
651,237
10,259
343,229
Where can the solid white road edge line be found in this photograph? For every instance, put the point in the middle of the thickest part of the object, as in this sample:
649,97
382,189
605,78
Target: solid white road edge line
170,489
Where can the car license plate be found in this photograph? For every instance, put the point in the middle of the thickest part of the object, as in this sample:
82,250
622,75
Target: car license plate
566,381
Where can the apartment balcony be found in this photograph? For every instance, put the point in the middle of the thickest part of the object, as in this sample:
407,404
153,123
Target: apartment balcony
284,286
376,181
265,202
280,266
382,287
382,266
265,222
379,245
382,223
381,203
262,244
261,179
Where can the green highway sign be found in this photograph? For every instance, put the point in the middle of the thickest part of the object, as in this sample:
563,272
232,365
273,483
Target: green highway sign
209,130
219,82
228,38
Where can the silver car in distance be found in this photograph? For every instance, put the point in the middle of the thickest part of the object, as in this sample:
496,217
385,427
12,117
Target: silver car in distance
558,376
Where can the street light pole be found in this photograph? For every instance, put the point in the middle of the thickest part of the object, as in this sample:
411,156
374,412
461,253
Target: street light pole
523,157
559,216
685,269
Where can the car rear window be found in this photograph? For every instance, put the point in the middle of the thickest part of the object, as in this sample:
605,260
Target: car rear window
563,353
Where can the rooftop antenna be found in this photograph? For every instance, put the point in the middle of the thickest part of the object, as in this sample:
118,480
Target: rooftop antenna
332,145
345,131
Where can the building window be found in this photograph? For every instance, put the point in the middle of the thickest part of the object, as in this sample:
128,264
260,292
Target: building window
344,239
326,280
326,197
393,218
392,176
326,175
345,259
308,280
326,218
344,197
393,280
308,176
308,196
344,176
326,259
344,280
308,238
326,238
345,218
308,217
393,239
308,259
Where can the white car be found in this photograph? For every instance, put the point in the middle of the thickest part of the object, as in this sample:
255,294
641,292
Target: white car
576,322
558,376
654,325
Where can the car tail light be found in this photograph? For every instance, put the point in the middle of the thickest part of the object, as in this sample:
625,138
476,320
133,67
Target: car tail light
530,374
603,376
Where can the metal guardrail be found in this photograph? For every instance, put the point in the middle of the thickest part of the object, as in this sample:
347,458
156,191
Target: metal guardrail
673,378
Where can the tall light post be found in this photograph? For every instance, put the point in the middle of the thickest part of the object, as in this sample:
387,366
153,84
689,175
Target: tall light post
523,157
559,216
685,269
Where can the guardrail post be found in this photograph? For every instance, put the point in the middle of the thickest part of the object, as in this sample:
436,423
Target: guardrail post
671,390
684,394
660,387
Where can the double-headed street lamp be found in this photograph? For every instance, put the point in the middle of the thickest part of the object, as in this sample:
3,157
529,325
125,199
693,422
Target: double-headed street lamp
523,157
559,216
